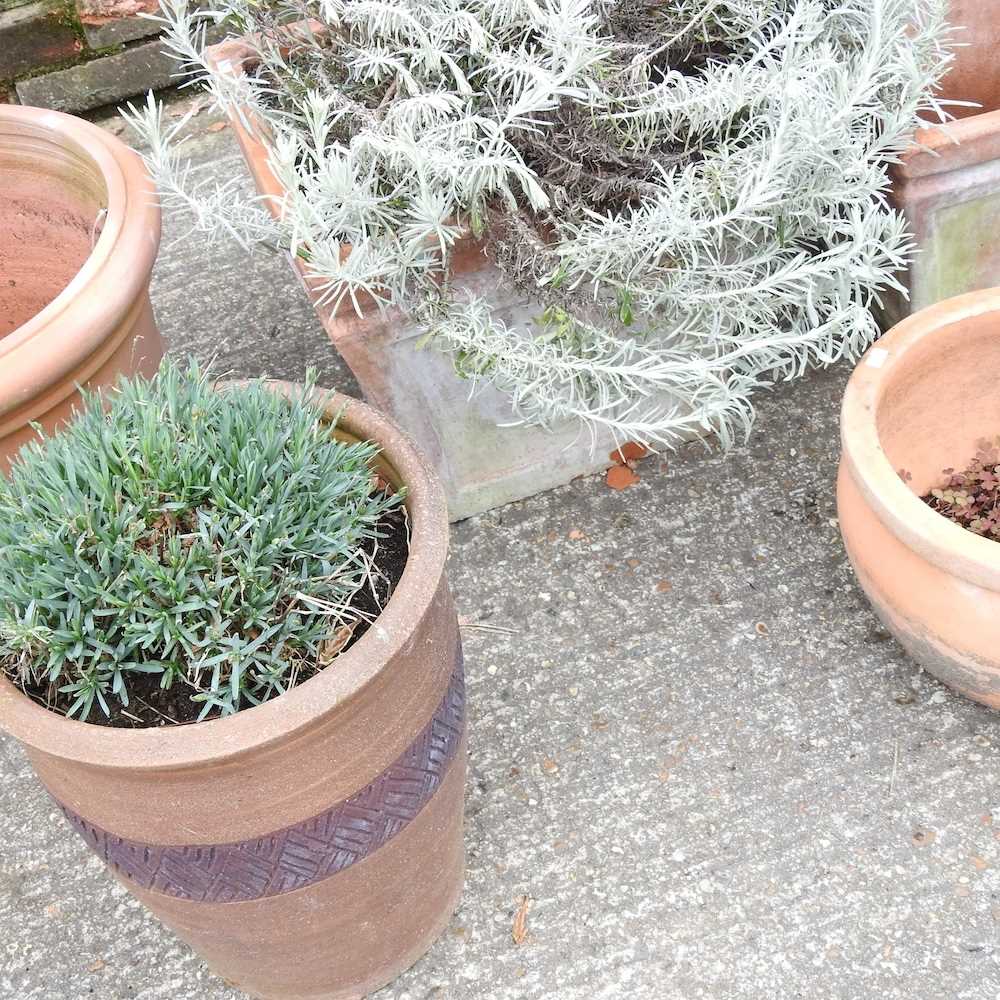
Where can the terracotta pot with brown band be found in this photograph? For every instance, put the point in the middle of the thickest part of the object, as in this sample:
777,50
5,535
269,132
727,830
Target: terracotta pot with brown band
79,232
310,847
918,403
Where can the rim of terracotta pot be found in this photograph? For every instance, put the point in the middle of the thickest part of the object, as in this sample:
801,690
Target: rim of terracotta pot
306,704
940,148
75,324
234,56
952,548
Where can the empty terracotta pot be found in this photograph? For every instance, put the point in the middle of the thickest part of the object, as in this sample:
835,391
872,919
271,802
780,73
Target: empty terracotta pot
918,403
79,232
948,183
310,847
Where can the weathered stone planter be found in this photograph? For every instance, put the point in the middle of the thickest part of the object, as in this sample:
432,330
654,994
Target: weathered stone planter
918,403
482,463
79,232
948,186
310,848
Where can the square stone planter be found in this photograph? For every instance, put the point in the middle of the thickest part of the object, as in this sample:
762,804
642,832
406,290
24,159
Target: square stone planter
482,463
948,185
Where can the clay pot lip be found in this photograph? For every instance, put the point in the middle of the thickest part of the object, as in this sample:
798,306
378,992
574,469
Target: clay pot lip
937,146
953,549
234,56
254,729
55,341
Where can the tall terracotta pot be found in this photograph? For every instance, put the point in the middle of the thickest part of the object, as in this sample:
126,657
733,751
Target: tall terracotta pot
948,183
79,232
310,847
918,403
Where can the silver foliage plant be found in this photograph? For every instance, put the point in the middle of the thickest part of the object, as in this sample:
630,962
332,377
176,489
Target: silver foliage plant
694,190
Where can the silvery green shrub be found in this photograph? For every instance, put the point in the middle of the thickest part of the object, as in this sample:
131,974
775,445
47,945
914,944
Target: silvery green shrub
213,537
693,190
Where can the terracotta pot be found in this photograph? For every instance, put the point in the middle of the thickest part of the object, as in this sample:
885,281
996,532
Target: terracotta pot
483,461
918,403
310,847
948,185
79,232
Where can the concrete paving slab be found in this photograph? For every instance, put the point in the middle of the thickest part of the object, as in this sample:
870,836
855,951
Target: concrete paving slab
34,35
100,82
695,750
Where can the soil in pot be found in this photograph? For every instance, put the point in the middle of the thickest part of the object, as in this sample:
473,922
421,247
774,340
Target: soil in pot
971,498
43,244
152,706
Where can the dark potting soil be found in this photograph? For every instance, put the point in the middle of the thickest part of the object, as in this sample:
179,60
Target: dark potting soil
971,498
150,706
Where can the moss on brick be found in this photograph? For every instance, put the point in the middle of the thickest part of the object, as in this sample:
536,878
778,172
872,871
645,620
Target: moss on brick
65,13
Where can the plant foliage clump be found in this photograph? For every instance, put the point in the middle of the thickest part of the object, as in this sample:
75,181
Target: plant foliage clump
213,537
971,498
694,191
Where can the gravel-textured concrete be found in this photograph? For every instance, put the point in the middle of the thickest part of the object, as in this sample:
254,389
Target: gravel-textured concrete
693,747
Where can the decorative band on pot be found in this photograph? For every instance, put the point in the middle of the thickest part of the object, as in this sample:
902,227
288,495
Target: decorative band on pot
303,853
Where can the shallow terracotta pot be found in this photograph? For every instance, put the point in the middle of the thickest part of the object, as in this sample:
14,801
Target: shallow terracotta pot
948,184
310,847
483,460
79,232
918,403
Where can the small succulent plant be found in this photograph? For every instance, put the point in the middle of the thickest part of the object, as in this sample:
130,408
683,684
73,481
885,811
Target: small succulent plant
213,537
972,498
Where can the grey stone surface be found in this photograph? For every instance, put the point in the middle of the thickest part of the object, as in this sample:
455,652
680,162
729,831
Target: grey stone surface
102,81
692,746
32,36
102,33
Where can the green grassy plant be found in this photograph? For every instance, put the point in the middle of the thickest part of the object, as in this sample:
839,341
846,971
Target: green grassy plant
213,537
